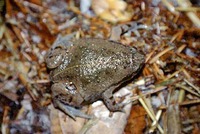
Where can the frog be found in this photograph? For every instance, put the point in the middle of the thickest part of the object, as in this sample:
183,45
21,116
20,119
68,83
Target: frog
85,70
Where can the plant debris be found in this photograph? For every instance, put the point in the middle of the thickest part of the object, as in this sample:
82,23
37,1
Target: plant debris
165,95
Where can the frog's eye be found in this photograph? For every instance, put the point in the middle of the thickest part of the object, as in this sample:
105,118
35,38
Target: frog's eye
58,47
70,87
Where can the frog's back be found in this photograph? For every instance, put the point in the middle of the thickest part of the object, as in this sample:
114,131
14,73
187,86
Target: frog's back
95,65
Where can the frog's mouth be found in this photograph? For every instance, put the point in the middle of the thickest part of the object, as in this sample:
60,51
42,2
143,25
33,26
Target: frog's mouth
69,95
68,100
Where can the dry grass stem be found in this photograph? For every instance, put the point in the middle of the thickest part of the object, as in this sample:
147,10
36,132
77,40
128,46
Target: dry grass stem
155,123
188,9
193,17
192,102
187,89
151,115
170,7
192,85
156,57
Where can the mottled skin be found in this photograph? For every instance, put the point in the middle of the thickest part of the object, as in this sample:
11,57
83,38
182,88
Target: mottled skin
86,70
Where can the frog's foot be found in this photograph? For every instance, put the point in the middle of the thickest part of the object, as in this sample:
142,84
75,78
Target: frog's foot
71,111
113,106
111,103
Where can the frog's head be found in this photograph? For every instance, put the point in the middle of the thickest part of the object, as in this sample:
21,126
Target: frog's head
66,93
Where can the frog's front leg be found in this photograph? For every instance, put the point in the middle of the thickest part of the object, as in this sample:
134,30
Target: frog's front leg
110,103
66,98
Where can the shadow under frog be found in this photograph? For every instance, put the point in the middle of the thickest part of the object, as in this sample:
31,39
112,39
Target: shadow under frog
86,70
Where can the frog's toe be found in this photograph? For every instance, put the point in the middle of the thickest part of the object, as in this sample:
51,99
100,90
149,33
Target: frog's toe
118,107
121,107
71,111
113,106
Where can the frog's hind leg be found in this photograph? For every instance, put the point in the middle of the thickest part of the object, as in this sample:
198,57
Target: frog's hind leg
110,103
